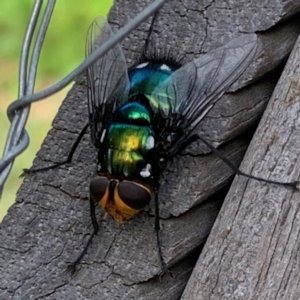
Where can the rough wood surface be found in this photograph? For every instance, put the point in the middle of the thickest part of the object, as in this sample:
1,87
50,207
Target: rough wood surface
45,229
253,249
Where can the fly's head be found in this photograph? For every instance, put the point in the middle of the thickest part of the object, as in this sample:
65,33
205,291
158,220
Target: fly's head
121,199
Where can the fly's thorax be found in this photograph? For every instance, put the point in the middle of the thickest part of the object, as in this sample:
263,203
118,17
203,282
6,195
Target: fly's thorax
122,199
130,138
128,141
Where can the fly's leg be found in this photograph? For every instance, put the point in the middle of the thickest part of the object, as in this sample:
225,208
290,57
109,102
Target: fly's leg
164,266
147,41
55,165
293,184
72,267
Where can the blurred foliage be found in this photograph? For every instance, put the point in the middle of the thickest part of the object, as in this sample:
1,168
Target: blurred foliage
65,40
62,51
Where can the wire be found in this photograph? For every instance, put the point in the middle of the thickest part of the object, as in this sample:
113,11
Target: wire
18,139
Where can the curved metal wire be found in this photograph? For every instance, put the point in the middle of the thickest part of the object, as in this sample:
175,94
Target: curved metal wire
18,139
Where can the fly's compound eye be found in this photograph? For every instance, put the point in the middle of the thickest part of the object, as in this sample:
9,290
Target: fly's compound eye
134,195
99,188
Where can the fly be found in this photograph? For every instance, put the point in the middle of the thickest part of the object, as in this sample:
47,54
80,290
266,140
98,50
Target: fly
142,117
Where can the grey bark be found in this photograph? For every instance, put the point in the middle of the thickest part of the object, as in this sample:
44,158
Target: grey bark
45,230
253,249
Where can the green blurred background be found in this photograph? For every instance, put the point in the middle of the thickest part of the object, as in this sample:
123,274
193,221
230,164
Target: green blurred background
63,50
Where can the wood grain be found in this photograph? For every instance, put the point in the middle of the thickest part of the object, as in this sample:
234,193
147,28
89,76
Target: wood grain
46,228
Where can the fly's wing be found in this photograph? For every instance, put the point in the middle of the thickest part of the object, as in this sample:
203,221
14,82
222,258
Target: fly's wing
107,79
182,100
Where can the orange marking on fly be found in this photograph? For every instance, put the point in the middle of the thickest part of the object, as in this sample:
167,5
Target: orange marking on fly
121,199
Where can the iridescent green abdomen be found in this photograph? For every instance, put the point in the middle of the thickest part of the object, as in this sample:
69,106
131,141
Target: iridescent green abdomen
147,76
